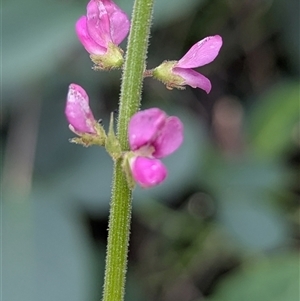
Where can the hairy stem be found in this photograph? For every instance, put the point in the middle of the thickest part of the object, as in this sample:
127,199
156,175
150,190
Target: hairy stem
120,210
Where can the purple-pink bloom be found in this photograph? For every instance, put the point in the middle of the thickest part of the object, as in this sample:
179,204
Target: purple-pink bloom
104,23
152,135
180,73
202,53
78,112
103,28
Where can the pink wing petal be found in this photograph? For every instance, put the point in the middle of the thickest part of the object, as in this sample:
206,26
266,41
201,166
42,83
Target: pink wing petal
148,172
88,43
119,22
202,53
77,110
98,24
120,25
169,138
143,127
194,79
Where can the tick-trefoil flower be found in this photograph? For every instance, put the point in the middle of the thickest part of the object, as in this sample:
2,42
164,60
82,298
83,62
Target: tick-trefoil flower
177,74
81,119
103,28
152,135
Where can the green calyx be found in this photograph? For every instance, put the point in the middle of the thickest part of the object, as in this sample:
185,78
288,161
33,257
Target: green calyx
87,139
111,59
164,73
100,138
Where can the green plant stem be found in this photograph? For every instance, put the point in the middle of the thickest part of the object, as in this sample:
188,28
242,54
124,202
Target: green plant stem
120,210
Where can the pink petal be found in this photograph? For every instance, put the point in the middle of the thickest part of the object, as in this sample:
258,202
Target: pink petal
194,79
77,110
202,53
148,172
143,127
169,138
119,22
88,43
98,23
106,22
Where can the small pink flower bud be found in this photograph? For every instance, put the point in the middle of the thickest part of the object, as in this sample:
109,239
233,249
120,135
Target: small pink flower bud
78,112
101,31
152,135
177,74
147,172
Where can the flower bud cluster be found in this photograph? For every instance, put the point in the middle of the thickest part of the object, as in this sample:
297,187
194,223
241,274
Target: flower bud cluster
152,134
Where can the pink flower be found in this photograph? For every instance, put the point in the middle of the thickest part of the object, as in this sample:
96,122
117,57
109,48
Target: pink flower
78,113
176,74
152,135
101,31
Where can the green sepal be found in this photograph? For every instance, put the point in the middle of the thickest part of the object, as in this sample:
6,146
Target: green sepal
111,59
86,139
127,170
164,73
112,143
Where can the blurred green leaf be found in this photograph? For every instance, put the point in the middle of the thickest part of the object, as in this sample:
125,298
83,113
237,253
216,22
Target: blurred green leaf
36,35
88,180
251,222
243,190
270,279
17,250
273,119
64,255
47,253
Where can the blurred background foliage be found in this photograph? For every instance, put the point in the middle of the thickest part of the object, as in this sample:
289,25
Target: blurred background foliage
224,226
